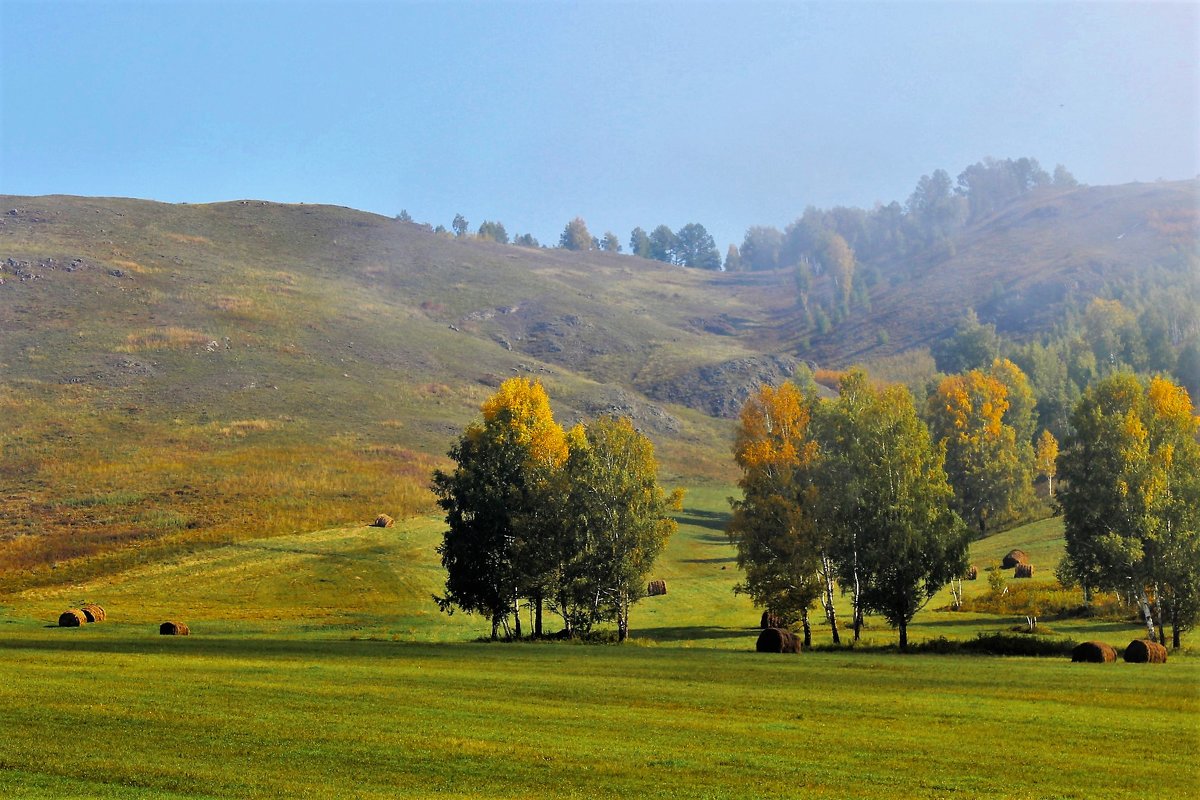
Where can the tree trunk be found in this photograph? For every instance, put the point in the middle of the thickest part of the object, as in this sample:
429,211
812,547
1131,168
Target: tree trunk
858,611
495,626
622,620
830,610
517,616
537,619
903,637
1147,615
807,629
1175,633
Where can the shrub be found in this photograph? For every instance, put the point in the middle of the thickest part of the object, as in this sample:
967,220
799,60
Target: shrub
1008,644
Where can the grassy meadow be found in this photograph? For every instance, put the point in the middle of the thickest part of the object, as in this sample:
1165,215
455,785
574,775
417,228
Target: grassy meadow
319,667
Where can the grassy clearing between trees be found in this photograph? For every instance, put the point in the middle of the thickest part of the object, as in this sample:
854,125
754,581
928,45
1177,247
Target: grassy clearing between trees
319,667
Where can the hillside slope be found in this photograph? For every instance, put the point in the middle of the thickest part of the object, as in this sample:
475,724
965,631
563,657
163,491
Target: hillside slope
1029,263
180,374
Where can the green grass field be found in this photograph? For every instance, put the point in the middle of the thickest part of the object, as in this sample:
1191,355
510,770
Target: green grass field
319,667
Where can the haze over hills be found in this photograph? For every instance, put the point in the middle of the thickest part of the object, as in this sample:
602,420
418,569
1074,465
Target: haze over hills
175,373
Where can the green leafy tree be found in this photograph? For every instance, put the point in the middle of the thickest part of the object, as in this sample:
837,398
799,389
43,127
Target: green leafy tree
1130,494
492,553
639,243
694,247
971,346
575,236
526,240
494,231
404,216
886,500
662,244
733,259
761,247
610,243
618,519
459,225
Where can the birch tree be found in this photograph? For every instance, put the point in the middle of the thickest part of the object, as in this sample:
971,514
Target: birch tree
1130,493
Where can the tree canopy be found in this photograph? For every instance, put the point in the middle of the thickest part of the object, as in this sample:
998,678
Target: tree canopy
570,519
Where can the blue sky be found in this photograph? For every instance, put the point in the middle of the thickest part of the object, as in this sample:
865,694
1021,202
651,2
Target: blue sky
623,113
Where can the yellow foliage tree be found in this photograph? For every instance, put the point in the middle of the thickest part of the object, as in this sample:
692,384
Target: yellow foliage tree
990,470
1047,458
772,525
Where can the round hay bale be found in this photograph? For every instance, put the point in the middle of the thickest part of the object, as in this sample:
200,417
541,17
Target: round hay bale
655,588
1023,571
777,640
1094,653
1144,651
972,573
173,629
72,618
94,613
383,521
1014,558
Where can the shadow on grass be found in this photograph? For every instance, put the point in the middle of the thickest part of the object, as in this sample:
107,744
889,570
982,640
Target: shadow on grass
716,560
714,520
234,647
686,633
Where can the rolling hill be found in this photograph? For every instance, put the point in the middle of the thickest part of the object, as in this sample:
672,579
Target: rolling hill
177,375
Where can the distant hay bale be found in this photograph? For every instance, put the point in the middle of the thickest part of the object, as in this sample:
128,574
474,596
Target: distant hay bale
655,588
770,620
1014,558
173,629
72,618
972,573
383,521
94,613
1094,653
1144,651
777,640
1023,571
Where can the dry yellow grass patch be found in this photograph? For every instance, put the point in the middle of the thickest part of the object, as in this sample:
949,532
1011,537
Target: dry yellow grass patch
233,305
243,427
168,338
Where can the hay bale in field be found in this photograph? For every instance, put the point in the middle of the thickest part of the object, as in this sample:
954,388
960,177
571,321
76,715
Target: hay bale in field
1144,651
72,618
94,613
1094,653
1014,558
770,620
777,640
173,629
383,521
972,573
1023,571
655,588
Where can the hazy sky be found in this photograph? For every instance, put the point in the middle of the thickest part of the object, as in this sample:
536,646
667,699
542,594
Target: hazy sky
727,114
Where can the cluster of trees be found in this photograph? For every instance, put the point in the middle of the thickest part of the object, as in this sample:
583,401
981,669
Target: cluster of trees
936,209
1154,332
690,246
1130,494
570,520
850,491
490,231
863,493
